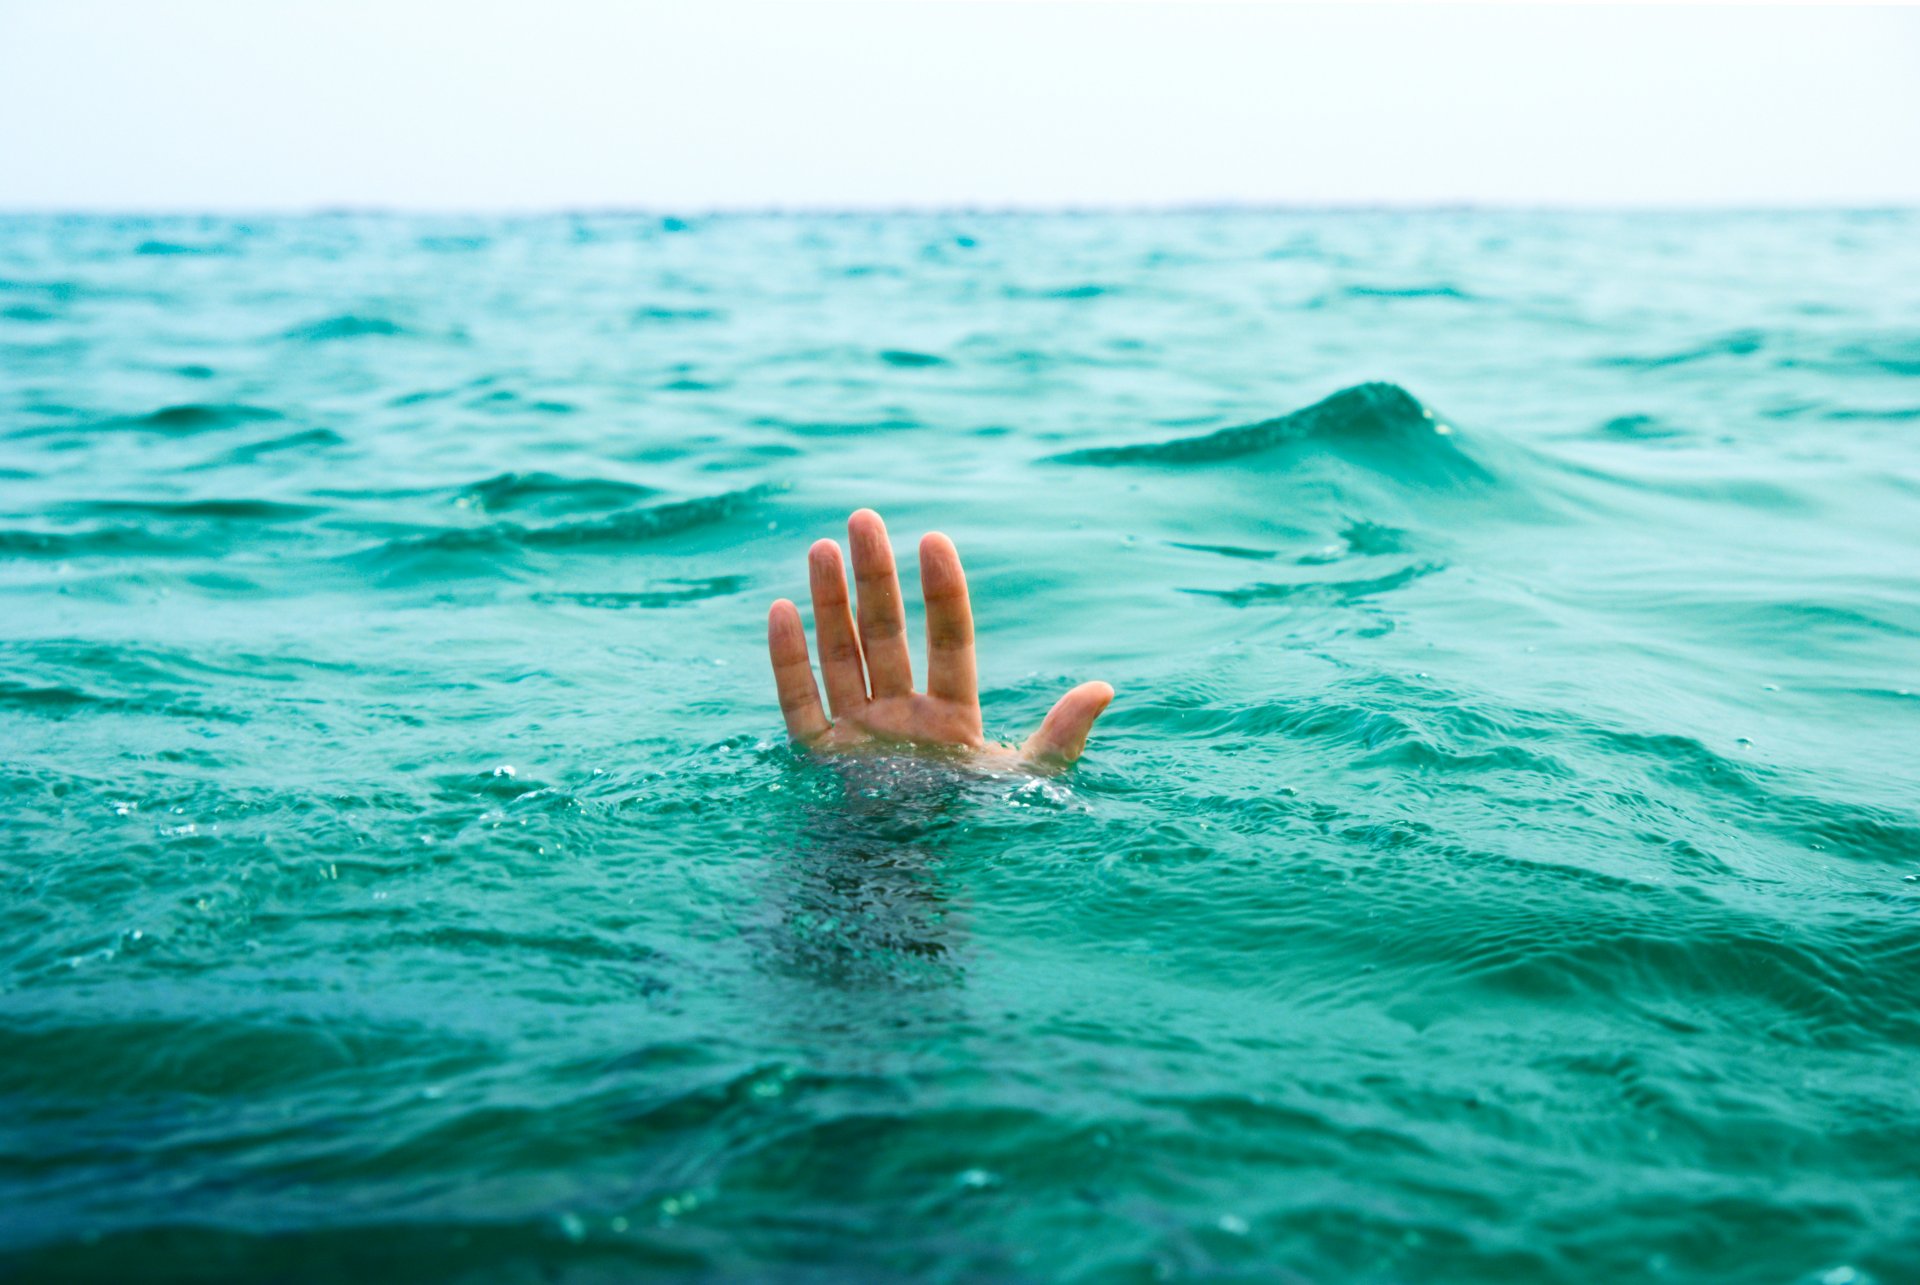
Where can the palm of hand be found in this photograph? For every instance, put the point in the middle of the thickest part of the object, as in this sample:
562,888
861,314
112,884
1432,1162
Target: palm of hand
869,673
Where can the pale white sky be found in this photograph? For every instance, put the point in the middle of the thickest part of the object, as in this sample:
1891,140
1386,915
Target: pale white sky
455,104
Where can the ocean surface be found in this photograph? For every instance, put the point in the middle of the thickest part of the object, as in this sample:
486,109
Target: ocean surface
1500,864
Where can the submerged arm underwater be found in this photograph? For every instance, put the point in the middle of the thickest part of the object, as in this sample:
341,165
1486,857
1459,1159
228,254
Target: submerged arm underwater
869,674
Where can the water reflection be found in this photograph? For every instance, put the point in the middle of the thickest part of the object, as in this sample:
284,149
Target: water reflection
856,897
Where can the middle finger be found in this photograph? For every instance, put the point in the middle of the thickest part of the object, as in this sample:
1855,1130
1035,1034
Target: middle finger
883,618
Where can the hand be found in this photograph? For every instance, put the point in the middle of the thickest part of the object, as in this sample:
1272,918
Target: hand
870,676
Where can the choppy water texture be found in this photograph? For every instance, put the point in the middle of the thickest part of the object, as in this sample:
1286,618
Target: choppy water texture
1499,865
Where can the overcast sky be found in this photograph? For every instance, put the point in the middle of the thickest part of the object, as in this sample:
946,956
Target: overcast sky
202,104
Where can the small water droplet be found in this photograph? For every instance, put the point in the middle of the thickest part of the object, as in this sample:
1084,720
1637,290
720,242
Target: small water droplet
573,1227
978,1179
1233,1224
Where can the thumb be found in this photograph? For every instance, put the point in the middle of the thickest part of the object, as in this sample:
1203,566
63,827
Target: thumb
1063,734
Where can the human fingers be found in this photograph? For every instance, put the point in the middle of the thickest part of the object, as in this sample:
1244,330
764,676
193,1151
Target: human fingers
950,664
1063,733
883,619
833,625
792,675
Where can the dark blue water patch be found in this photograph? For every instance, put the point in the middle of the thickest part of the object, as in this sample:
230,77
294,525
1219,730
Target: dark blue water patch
345,326
56,700
1738,343
661,315
309,439
1881,355
193,417
95,542
910,359
1371,538
1891,414
27,312
508,401
1440,291
1229,551
233,510
1826,410
1639,428
1074,293
550,493
171,248
56,291
634,526
1334,591
666,593
835,428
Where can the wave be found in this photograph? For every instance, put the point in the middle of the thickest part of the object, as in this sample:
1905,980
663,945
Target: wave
1440,291
1882,354
178,248
549,492
1090,290
909,358
1738,343
345,326
1376,418
1639,428
657,314
676,593
306,439
1228,550
1873,354
227,510
97,542
58,700
193,417
1332,591
631,527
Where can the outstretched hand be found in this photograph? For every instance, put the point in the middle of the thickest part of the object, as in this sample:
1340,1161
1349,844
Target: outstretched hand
869,674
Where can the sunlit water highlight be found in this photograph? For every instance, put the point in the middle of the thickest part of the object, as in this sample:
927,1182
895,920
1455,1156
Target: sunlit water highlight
1499,864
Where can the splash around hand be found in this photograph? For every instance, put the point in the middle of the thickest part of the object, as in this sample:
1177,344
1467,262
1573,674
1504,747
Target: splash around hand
869,673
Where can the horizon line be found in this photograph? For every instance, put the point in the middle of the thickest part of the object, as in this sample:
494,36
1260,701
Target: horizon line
692,210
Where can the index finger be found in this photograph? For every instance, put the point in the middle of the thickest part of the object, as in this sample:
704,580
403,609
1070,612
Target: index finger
792,674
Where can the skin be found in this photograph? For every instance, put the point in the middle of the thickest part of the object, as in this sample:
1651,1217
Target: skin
869,673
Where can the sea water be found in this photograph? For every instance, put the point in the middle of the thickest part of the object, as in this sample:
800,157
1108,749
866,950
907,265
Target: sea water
1499,862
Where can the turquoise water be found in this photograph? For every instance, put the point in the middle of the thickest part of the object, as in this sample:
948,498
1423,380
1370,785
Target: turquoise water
1499,862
